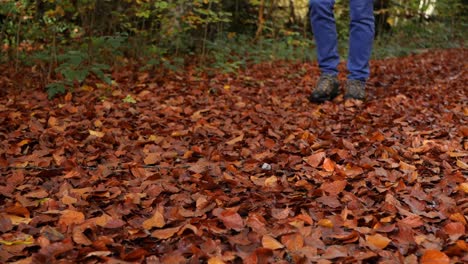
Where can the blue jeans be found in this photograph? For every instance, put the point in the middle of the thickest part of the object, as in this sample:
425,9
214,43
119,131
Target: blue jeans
361,36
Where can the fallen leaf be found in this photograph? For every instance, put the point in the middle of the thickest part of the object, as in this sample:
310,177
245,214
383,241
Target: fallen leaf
271,181
406,166
16,220
23,240
215,260
152,158
271,243
165,233
334,188
458,217
280,214
413,221
335,251
455,230
315,159
293,242
325,223
157,220
463,187
328,165
96,133
232,219
235,140
462,165
433,256
70,217
378,241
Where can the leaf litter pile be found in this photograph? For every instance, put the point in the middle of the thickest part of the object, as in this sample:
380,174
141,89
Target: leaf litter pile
187,168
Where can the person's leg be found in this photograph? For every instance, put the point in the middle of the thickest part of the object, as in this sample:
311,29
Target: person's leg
326,39
361,37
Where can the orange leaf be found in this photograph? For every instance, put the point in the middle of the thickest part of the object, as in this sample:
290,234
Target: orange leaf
271,181
458,217
462,165
157,220
293,242
280,214
314,160
378,241
433,256
325,223
407,167
271,243
152,158
328,165
71,217
454,230
96,133
463,187
165,233
232,220
413,221
334,188
215,260
235,140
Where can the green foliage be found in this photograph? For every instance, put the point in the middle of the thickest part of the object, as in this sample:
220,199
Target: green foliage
74,67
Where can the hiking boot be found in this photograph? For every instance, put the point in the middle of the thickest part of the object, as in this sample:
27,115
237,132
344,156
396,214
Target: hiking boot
355,89
326,89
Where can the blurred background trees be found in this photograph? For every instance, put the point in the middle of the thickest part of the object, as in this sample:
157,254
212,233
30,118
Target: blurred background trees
76,38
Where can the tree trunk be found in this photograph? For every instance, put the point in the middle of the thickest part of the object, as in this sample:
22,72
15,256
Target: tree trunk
261,20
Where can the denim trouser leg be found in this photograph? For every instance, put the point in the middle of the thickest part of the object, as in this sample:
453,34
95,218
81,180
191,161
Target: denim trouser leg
326,38
361,37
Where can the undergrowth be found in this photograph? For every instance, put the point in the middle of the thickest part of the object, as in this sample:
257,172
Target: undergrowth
68,66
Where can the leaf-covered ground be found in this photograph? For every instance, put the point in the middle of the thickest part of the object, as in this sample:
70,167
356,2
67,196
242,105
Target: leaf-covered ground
182,168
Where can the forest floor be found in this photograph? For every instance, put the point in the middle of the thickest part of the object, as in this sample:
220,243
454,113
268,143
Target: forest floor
187,168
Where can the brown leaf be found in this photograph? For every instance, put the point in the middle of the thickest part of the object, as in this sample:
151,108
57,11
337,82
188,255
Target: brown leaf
80,237
98,134
462,165
325,223
463,187
235,140
38,194
157,220
293,242
280,214
334,188
328,165
16,220
5,223
271,243
458,217
215,260
231,219
165,233
433,256
315,159
378,241
257,223
333,252
271,182
198,167
407,167
70,217
413,221
52,234
455,230
152,158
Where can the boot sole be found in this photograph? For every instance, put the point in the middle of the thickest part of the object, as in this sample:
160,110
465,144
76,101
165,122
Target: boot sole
322,99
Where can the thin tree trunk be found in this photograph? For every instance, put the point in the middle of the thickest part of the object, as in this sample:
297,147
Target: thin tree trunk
261,20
